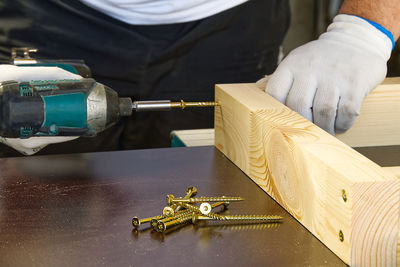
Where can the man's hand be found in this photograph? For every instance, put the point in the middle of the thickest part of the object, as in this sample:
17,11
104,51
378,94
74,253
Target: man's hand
32,145
327,80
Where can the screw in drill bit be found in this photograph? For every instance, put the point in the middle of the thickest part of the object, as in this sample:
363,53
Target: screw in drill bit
182,104
170,199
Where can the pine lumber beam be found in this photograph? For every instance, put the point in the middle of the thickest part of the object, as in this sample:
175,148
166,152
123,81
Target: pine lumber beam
327,186
394,170
379,120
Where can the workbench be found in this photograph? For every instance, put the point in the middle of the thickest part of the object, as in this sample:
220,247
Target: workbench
76,210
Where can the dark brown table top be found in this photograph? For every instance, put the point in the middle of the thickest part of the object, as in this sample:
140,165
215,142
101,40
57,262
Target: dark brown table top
76,210
385,156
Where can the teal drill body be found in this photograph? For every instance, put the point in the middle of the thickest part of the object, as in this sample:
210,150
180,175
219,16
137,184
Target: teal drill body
59,108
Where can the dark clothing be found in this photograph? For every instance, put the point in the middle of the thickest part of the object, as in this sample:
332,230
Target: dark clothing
175,61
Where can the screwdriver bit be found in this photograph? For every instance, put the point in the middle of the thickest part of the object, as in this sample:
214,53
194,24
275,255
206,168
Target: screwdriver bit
159,105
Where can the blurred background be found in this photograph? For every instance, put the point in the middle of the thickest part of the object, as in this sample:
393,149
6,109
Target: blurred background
311,17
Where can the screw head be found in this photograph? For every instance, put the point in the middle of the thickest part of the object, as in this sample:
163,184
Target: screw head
226,204
161,227
192,190
135,222
205,208
154,223
169,199
341,236
344,196
168,211
194,218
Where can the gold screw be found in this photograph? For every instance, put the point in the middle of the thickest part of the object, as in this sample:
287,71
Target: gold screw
344,196
182,104
246,227
266,218
341,236
171,199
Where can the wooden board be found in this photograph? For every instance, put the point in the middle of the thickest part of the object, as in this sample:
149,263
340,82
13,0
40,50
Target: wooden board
379,120
394,170
330,188
196,137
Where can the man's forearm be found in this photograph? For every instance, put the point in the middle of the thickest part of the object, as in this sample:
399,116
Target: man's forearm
384,12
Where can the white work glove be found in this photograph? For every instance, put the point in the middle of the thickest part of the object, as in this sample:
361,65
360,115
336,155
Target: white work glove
32,145
327,80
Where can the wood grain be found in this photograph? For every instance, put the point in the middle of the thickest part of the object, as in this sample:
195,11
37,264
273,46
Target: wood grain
306,170
379,120
394,170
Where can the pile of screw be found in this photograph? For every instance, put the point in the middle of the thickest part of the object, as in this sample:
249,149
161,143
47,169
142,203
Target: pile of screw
183,210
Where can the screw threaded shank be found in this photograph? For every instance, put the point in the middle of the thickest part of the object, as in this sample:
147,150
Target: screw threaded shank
178,215
266,218
253,217
182,104
206,199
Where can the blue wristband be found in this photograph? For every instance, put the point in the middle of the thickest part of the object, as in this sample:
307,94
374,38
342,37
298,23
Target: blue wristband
382,29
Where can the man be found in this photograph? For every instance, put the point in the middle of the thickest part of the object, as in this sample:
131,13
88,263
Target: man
148,50
169,49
